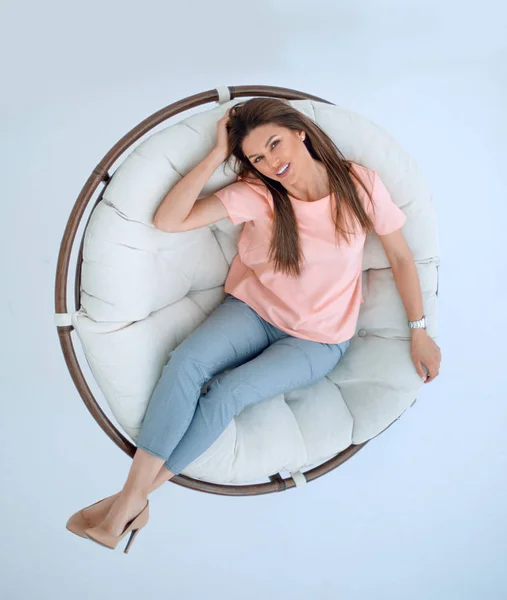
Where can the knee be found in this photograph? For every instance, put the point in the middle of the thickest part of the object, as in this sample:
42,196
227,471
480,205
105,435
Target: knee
182,352
182,363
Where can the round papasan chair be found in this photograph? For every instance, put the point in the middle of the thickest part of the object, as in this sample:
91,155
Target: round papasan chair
139,292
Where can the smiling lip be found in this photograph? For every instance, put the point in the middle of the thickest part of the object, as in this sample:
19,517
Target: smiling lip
285,172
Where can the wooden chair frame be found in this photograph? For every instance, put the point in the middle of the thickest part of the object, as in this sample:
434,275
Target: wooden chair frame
101,175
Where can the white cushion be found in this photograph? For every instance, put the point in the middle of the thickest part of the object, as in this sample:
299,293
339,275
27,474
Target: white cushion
144,291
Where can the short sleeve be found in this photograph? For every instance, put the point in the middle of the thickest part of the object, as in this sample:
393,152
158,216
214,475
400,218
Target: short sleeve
244,202
387,217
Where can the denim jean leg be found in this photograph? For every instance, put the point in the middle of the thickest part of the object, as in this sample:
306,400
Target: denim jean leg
287,364
230,335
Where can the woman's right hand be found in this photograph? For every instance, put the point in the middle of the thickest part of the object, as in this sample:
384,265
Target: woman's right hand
222,145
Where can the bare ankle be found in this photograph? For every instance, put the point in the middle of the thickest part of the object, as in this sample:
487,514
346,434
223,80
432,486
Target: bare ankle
133,494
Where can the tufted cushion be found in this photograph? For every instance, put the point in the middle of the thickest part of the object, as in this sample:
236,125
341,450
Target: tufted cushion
144,291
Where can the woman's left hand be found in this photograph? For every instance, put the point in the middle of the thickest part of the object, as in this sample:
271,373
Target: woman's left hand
425,352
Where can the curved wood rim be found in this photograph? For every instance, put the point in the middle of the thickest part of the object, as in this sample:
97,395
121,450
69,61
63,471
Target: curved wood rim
101,174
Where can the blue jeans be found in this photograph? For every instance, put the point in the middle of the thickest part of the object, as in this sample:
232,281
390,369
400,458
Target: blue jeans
180,423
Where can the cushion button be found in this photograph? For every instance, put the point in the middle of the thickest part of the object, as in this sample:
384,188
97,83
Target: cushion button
361,332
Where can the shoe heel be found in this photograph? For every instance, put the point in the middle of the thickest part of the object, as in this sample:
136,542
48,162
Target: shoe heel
132,537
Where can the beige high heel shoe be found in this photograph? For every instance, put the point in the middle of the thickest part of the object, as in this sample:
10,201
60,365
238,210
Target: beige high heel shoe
78,522
104,538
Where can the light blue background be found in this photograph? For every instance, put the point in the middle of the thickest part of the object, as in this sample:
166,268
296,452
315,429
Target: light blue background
420,512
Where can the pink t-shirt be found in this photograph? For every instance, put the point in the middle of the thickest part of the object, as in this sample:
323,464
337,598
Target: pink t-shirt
323,304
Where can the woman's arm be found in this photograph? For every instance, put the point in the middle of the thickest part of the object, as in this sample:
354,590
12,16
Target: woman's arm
179,201
424,350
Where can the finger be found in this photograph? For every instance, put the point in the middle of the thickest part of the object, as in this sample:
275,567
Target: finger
421,375
432,376
420,369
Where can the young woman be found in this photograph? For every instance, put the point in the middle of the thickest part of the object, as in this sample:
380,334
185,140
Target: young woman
293,293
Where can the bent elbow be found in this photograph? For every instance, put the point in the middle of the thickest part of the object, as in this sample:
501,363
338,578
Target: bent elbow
161,225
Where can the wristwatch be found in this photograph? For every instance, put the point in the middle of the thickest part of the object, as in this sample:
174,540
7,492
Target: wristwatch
416,324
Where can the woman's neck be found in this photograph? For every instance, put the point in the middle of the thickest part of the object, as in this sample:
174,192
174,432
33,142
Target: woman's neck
313,187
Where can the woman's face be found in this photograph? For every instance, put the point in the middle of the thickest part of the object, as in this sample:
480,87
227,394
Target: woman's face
270,147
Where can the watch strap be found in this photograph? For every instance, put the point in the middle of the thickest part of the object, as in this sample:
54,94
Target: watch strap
421,323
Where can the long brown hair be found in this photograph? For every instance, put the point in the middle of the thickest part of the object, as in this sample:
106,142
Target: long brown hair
285,244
